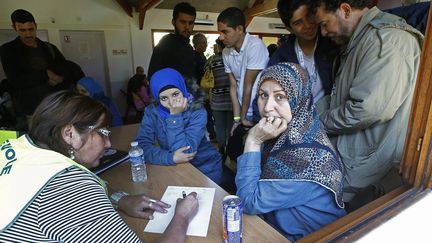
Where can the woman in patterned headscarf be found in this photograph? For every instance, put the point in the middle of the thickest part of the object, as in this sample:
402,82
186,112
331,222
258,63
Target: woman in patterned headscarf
296,181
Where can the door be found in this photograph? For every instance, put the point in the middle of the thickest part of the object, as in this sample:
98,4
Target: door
87,49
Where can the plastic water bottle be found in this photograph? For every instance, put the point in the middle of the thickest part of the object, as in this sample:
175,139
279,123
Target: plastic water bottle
136,156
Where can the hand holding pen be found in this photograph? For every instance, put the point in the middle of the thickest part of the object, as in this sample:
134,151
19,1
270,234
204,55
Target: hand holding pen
187,206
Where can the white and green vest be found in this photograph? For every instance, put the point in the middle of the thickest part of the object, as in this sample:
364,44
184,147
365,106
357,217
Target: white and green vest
25,170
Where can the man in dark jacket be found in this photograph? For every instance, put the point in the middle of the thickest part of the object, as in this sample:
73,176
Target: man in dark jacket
415,15
305,46
28,63
174,50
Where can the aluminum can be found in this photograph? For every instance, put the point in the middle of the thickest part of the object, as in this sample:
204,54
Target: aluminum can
232,210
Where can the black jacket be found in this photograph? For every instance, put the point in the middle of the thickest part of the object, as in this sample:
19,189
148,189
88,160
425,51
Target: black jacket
415,15
29,84
173,51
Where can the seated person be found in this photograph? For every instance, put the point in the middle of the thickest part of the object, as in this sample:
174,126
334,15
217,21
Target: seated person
90,87
138,92
61,200
296,181
178,124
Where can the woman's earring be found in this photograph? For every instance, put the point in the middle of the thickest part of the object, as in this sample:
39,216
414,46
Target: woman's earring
71,152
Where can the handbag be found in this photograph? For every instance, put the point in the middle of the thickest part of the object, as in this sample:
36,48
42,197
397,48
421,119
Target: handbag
207,81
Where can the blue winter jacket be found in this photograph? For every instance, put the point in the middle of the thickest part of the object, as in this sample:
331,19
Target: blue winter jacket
295,208
176,131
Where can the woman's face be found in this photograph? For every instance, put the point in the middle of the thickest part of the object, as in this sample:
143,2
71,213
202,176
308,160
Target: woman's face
167,97
273,101
89,147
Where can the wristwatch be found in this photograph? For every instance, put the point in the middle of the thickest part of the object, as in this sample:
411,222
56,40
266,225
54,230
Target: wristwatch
115,198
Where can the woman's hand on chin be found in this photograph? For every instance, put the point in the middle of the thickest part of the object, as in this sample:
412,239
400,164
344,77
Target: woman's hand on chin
267,128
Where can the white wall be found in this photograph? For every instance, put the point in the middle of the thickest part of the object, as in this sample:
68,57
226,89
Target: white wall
120,30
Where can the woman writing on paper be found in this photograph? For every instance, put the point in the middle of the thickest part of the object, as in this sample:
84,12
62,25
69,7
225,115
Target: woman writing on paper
49,193
289,171
177,122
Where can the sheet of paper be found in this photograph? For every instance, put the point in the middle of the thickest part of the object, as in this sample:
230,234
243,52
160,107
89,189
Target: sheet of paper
199,224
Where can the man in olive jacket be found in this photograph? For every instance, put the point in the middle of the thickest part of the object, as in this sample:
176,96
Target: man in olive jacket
371,99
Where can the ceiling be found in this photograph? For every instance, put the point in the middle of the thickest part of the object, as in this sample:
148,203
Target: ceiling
251,8
215,6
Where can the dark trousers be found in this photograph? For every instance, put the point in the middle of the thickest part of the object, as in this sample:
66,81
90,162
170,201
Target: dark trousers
210,121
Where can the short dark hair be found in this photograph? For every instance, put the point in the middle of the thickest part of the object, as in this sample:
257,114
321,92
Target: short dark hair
70,71
232,17
220,43
333,5
271,49
22,16
196,38
183,7
60,109
286,8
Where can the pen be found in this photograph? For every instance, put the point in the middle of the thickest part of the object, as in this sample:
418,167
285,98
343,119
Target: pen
184,194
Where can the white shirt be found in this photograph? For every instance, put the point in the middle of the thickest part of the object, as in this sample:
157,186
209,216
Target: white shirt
253,55
308,63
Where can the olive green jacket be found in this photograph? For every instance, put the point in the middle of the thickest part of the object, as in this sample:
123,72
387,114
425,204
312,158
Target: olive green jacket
371,99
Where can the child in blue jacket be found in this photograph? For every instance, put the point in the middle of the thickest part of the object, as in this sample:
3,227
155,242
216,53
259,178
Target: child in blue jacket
173,130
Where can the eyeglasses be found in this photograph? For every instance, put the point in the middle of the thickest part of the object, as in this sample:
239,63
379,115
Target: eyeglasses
102,131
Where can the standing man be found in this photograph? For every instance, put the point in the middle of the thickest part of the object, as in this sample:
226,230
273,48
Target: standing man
200,46
244,57
28,63
306,47
371,100
174,50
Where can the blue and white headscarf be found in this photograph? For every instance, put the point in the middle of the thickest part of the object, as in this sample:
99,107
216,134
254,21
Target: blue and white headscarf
163,78
303,152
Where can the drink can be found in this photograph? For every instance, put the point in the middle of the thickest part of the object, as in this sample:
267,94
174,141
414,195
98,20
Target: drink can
232,210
